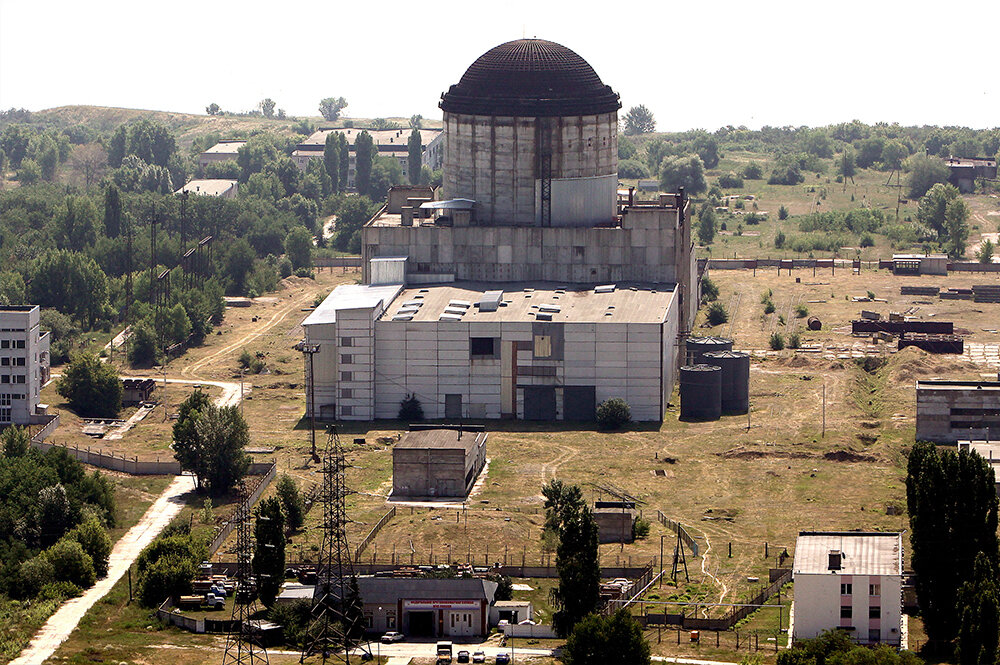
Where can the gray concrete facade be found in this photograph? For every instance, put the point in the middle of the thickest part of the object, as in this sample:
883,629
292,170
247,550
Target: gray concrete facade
949,411
497,162
24,364
437,462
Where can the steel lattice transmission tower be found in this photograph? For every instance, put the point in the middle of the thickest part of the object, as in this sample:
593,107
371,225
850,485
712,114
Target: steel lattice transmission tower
240,646
337,612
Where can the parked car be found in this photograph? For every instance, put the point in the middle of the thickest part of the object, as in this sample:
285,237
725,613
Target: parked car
463,656
503,659
479,657
392,636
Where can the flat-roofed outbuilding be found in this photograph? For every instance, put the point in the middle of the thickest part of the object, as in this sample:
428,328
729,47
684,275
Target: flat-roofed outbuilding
439,462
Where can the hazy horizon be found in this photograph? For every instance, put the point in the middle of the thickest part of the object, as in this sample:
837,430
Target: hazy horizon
703,66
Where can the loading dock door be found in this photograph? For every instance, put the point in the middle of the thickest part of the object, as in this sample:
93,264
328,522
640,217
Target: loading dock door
421,624
453,406
579,403
539,403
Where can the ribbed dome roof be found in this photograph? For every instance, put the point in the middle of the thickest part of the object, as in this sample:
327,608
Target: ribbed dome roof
530,77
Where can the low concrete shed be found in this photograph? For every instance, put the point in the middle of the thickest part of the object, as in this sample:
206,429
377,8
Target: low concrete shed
948,411
440,462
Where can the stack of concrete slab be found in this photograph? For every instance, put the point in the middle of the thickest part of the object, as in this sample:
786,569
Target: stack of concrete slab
918,290
986,293
956,294
932,343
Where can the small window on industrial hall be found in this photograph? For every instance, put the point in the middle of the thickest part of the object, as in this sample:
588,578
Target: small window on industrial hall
482,346
543,346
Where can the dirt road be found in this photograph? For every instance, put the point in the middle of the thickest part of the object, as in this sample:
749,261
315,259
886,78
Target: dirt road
64,621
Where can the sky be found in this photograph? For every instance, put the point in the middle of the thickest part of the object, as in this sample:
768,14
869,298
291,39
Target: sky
696,64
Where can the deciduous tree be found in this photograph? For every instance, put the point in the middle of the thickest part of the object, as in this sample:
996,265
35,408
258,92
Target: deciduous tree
687,172
267,107
639,120
577,562
92,388
597,640
331,107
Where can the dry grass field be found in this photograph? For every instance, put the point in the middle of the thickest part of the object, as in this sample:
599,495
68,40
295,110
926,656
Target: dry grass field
726,483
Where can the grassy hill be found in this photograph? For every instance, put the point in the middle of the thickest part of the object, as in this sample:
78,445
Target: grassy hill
187,126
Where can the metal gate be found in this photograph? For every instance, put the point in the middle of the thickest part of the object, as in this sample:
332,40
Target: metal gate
539,403
579,402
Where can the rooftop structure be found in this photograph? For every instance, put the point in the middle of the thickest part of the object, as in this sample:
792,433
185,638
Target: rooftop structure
226,189
963,172
388,142
223,151
859,553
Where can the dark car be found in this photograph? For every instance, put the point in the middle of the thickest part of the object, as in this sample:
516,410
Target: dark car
503,659
463,656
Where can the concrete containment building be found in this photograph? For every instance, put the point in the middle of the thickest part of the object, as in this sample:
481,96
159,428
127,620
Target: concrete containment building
24,365
949,411
526,291
849,581
435,462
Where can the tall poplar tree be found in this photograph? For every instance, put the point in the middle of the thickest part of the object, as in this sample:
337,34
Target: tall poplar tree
578,593
952,501
269,549
414,156
331,160
345,161
364,156
979,614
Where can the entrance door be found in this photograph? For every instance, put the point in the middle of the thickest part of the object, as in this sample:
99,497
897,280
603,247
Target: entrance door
460,624
539,403
453,406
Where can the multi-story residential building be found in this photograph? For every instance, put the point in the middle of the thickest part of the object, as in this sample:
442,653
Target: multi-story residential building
24,364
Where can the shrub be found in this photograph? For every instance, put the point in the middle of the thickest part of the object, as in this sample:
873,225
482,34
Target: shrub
867,240
613,413
777,341
302,272
33,574
285,267
730,180
717,314
753,171
640,528
709,290
765,296
632,168
769,306
94,540
793,340
782,213
801,311
410,408
779,240
70,563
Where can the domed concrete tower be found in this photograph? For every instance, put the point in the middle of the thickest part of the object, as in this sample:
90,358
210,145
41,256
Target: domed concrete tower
532,137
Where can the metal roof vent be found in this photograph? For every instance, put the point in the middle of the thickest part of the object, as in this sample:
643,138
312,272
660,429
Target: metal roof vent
450,317
403,317
605,288
551,309
543,316
836,559
490,301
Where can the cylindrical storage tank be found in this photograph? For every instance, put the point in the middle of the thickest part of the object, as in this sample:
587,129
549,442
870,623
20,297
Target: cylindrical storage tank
696,347
814,323
735,379
701,392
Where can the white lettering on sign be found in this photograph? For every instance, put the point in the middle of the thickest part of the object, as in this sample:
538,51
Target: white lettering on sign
440,604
